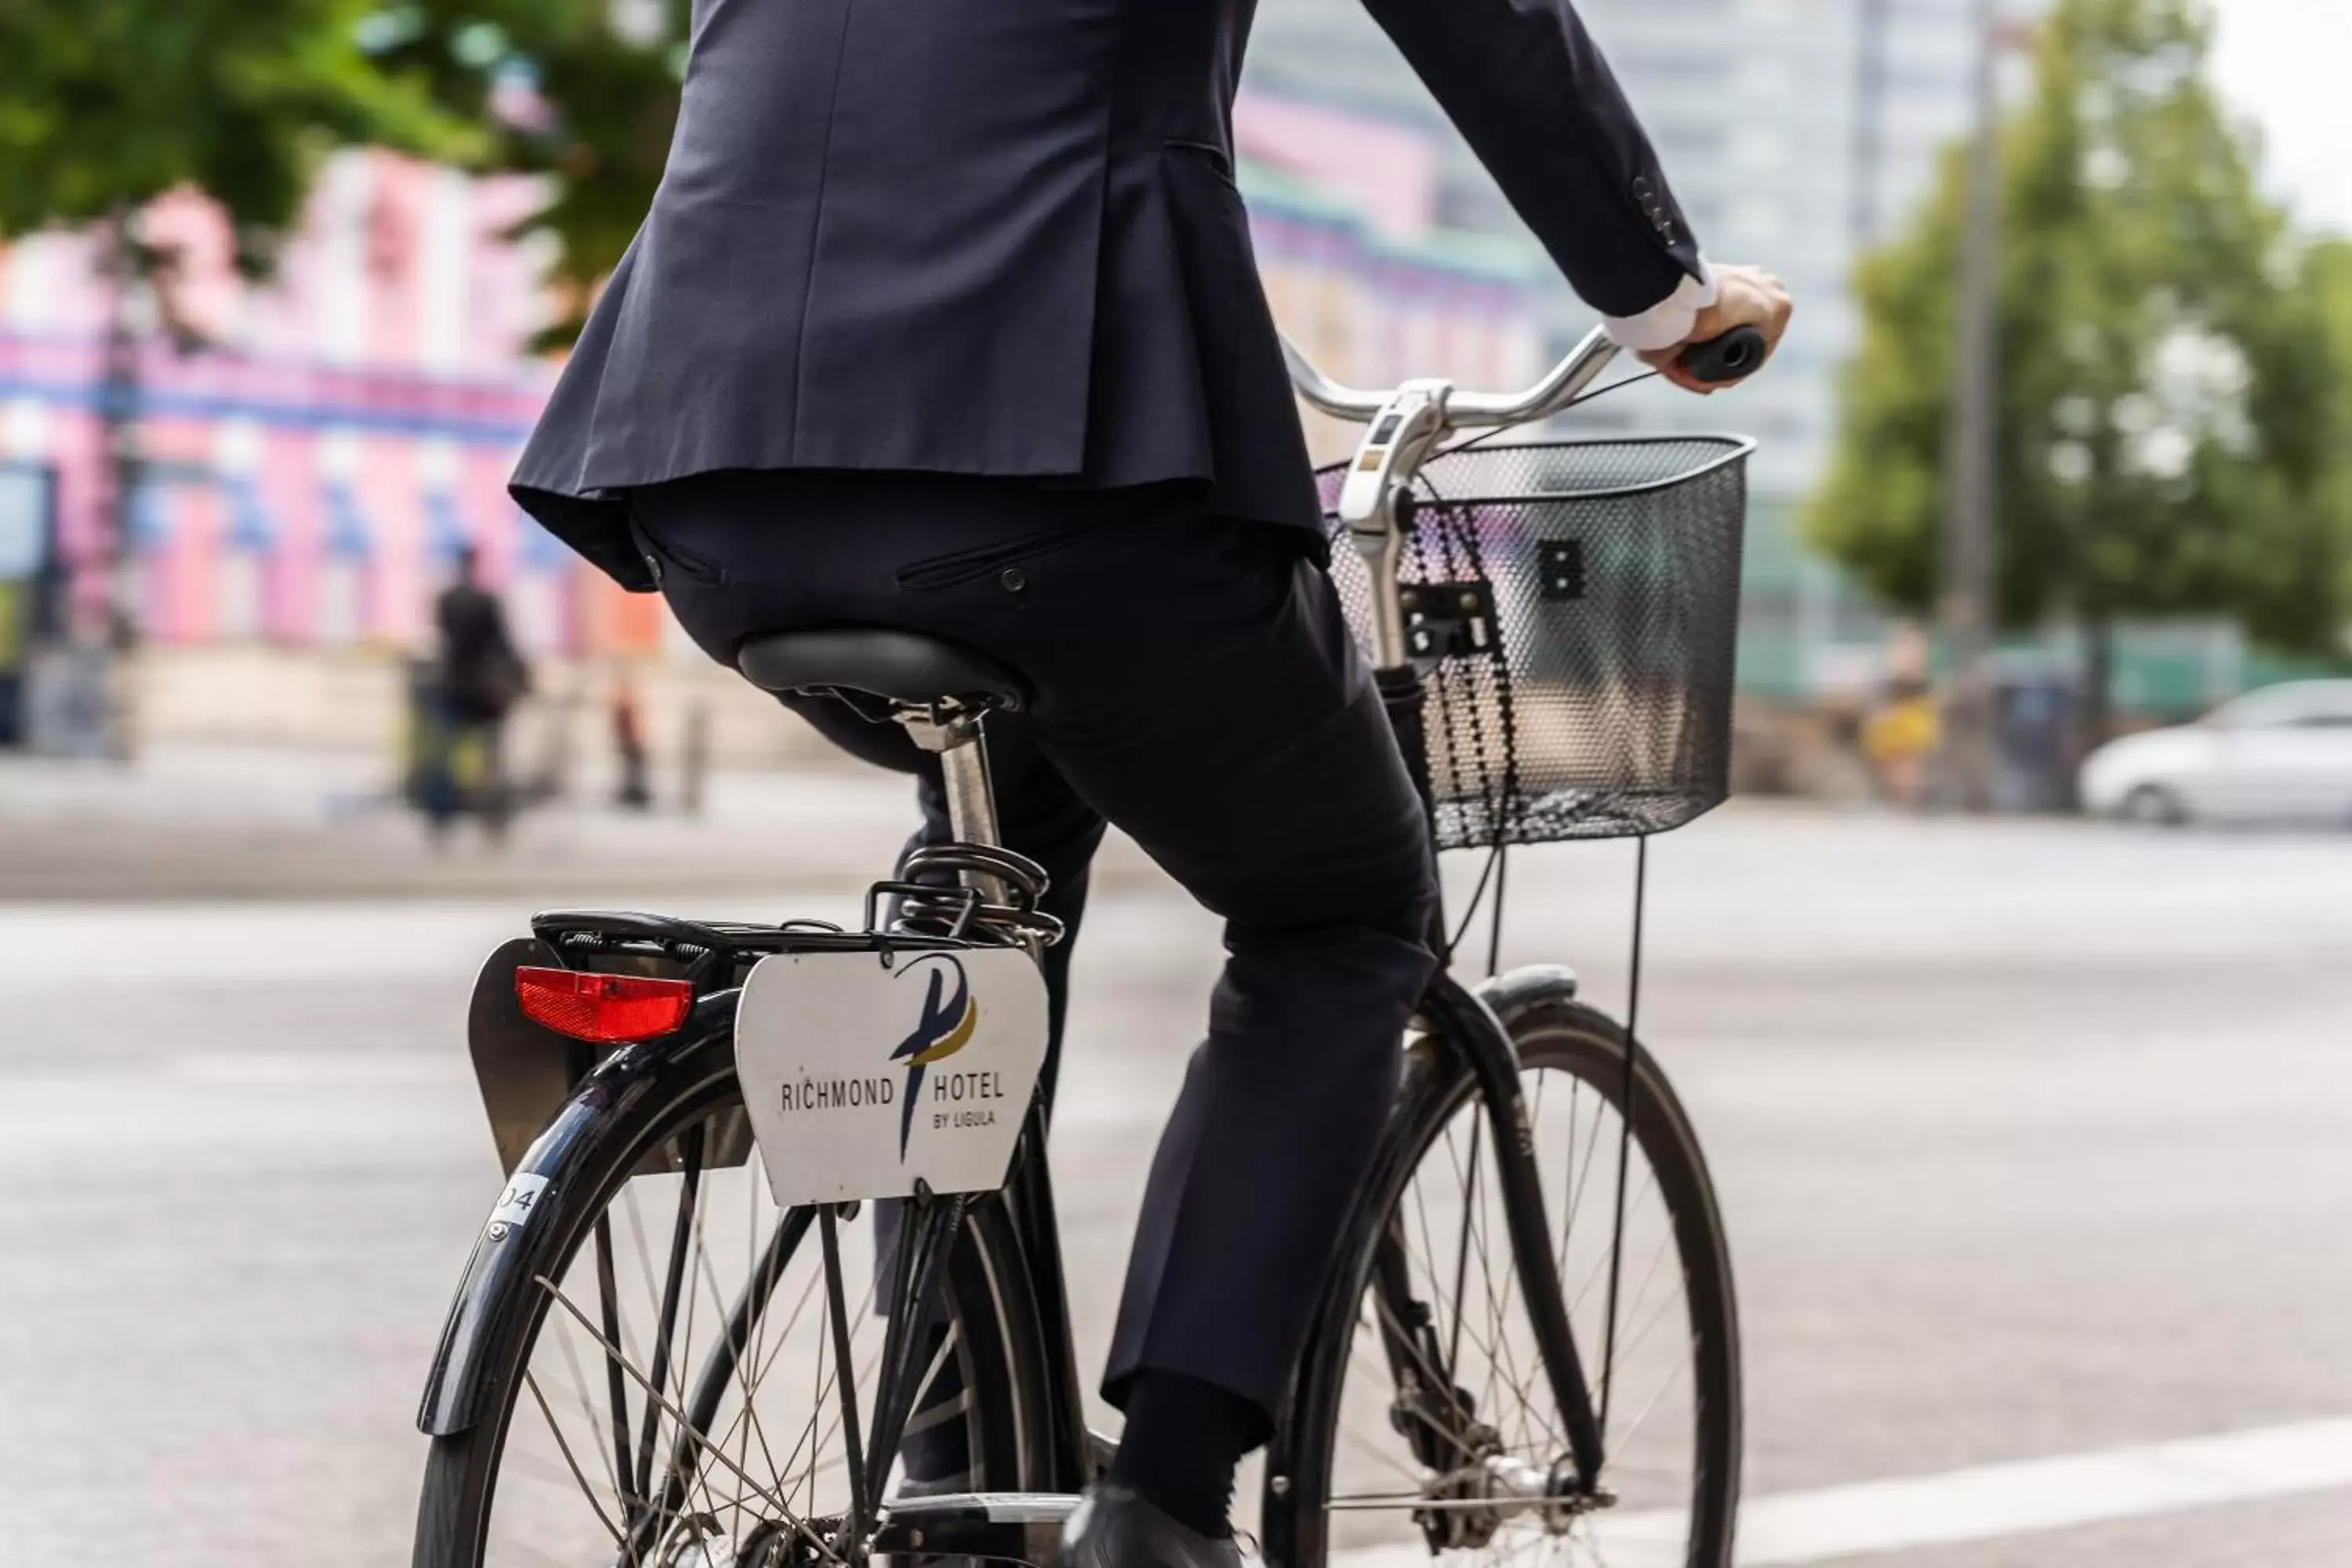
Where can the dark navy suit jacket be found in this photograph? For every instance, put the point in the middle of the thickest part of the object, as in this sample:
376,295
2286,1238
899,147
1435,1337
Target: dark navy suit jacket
1002,238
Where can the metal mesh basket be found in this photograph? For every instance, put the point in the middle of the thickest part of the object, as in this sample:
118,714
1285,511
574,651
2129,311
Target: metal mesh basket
1582,601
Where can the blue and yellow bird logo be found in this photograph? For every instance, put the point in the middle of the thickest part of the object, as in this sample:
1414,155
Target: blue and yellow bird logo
946,1028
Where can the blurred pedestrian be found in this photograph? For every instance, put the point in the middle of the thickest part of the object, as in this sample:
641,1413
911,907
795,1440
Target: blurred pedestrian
635,792
1899,737
482,676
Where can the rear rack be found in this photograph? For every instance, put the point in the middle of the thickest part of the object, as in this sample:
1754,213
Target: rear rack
953,909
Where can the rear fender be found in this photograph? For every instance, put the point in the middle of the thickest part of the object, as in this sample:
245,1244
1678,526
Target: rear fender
526,1071
551,1194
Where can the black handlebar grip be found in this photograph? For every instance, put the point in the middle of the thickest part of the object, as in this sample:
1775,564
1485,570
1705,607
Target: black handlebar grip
1735,356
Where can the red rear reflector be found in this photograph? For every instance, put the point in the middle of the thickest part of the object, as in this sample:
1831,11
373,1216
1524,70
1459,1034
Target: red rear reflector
606,1008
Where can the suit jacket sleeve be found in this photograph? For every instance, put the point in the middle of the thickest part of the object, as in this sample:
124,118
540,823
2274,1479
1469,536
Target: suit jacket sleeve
1526,87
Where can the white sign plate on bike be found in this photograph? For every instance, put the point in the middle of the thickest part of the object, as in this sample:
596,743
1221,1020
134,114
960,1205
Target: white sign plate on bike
862,1079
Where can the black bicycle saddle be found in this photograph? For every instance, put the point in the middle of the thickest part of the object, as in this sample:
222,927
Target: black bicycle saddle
873,662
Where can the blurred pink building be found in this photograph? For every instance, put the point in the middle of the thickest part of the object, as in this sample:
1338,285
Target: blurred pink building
312,469
1343,209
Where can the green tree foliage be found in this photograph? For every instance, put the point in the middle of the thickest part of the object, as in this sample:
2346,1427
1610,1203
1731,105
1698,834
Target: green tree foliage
106,104
2167,408
2330,271
583,92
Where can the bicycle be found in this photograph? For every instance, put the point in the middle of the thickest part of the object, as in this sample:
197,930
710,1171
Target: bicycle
1488,1368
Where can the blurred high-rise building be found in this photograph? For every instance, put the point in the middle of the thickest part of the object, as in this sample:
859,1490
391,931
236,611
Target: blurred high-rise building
1795,133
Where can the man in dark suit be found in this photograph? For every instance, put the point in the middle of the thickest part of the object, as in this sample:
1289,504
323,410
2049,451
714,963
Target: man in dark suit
945,318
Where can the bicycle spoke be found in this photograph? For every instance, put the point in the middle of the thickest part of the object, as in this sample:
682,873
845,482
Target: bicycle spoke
760,1377
1650,1454
1644,1332
617,1387
645,1256
782,1242
673,1280
1486,1347
1595,1274
1469,1237
925,1417
588,1409
766,1271
797,1524
1496,1347
832,1426
1625,1438
1582,1174
742,1338
1385,1455
812,1432
1501,1361
1451,1397
816,1412
1461,1257
585,1490
1632,1308
736,1398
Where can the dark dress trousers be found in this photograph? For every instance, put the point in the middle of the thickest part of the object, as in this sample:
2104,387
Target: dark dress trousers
945,317
1002,238
1196,684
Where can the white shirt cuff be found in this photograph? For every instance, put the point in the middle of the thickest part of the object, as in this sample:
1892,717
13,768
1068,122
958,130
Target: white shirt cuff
1669,322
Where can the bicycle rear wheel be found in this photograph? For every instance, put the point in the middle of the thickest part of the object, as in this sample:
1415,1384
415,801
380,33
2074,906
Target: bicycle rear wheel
1424,1424
677,1400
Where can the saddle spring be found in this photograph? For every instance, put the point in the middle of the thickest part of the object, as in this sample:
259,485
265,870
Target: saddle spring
934,898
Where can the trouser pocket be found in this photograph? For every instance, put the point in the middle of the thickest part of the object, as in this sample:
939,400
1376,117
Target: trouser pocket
958,567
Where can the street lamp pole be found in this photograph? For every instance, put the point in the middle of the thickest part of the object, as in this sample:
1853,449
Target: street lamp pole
1968,611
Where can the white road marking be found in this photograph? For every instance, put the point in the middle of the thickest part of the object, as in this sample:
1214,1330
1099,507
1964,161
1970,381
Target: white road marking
1987,1502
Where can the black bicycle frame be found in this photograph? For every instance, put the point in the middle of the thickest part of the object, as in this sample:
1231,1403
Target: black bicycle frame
1478,1038
1480,1044
609,1101
1028,1199
1469,1028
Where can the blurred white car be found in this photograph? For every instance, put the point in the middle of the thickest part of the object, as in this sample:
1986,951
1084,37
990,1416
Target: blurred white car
2277,753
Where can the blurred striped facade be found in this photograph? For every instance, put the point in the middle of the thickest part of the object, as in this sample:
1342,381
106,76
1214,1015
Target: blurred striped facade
1362,273
310,470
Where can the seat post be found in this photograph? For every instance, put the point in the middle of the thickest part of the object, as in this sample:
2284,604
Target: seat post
971,801
953,733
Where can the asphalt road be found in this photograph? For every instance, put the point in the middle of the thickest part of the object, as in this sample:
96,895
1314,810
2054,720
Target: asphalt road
2035,1141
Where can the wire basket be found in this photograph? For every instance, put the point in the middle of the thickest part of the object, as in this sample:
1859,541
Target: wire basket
1580,603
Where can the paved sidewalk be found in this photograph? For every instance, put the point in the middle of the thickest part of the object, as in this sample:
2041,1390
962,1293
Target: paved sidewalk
249,823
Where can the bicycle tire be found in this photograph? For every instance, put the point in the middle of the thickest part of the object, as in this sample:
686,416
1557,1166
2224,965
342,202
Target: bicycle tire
997,1327
1550,1034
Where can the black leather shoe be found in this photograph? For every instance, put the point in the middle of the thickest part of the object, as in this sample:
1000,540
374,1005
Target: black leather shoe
1117,1527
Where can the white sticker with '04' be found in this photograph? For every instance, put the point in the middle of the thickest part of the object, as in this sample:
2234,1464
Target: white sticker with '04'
520,1198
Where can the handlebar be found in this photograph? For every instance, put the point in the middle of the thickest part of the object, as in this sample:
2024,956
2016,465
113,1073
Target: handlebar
1736,355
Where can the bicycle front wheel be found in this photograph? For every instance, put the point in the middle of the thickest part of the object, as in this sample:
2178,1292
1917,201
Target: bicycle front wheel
690,1389
1427,1425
